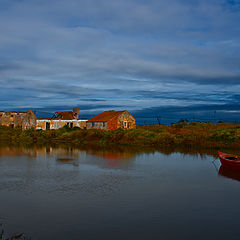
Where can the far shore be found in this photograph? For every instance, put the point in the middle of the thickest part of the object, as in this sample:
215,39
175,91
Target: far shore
183,134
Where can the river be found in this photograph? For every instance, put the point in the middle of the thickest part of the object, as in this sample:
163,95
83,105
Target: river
65,193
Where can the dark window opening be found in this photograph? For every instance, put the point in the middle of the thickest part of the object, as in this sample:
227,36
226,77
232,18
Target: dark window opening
47,125
71,125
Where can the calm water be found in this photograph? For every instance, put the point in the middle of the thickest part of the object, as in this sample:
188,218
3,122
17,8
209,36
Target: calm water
60,193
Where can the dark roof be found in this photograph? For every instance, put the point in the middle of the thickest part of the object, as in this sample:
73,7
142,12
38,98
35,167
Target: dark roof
106,116
66,115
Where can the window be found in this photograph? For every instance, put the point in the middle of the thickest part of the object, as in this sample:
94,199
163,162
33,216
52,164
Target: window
69,124
47,125
93,124
125,124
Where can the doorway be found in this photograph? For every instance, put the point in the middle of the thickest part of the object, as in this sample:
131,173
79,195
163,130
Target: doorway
47,125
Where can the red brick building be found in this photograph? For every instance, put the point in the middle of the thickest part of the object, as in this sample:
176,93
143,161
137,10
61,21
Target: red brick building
112,120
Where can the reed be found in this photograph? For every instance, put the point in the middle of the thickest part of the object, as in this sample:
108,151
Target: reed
181,134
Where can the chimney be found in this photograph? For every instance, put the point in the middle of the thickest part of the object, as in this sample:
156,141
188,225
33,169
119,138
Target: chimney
75,113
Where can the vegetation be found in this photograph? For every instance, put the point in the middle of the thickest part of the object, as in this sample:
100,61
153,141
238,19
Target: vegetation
181,134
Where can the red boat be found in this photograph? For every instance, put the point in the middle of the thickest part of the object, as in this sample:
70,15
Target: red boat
229,173
229,160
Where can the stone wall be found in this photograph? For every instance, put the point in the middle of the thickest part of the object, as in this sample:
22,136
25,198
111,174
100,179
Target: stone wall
24,120
56,124
97,125
125,121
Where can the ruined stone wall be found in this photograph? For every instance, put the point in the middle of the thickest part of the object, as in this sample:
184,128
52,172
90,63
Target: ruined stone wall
56,124
97,125
125,121
14,119
41,124
82,124
29,120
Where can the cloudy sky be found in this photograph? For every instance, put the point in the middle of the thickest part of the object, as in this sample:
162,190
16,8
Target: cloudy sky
175,58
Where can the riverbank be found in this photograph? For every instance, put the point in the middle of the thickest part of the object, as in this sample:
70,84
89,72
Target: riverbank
193,134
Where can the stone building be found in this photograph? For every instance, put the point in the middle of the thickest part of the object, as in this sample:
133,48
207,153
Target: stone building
111,120
108,120
22,119
60,119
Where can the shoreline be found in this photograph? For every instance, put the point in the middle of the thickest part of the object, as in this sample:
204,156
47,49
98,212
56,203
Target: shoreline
183,135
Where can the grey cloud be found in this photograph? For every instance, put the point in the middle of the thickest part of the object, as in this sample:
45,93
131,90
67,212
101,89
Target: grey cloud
126,51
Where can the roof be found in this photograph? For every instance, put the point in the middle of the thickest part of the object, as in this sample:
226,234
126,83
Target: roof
106,116
66,115
14,112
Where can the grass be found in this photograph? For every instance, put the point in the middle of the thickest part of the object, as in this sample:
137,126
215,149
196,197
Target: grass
181,134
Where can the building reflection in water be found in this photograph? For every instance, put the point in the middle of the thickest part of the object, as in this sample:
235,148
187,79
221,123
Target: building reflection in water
113,158
13,151
104,158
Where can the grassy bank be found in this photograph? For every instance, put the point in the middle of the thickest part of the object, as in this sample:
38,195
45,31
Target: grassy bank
181,134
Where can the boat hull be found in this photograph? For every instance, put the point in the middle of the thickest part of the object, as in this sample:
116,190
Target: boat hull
229,160
229,173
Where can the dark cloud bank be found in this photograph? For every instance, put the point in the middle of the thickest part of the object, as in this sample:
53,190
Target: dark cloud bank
177,59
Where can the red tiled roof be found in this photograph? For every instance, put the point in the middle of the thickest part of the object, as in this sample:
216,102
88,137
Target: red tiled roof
66,115
106,116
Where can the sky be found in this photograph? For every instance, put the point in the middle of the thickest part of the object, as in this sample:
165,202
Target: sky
177,59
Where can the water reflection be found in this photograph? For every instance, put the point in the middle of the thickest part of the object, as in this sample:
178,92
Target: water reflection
63,170
121,157
120,193
19,236
13,151
113,153
113,158
229,173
